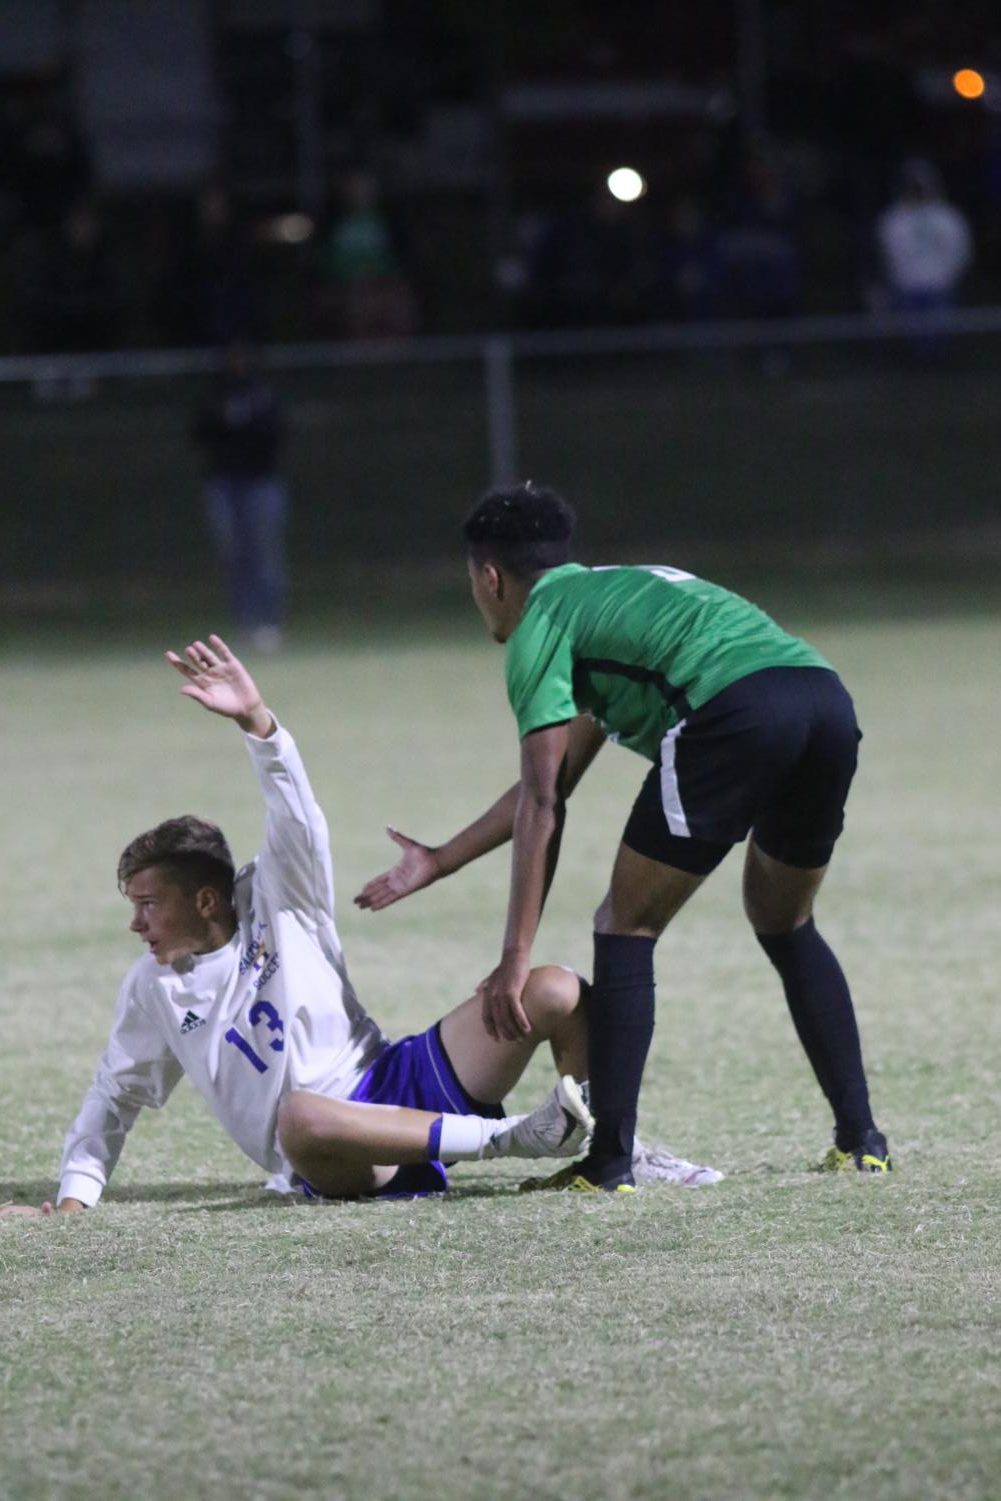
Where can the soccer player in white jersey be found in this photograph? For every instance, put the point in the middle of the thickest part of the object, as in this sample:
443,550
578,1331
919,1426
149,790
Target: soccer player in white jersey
244,988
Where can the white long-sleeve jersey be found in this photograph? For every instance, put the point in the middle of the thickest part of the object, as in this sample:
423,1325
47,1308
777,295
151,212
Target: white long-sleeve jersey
270,1012
927,246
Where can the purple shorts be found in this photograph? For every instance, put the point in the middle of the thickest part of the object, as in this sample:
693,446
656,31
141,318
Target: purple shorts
416,1071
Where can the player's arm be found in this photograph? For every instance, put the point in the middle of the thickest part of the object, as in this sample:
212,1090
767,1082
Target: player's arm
422,864
538,829
136,1070
295,860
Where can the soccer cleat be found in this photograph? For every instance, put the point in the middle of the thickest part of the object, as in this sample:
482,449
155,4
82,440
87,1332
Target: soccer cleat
658,1165
872,1155
559,1127
574,1179
835,1161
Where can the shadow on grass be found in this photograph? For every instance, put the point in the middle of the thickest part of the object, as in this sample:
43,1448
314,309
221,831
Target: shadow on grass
251,1198
34,1190
228,1198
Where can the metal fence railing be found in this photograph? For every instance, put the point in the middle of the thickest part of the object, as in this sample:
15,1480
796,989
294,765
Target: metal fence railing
812,427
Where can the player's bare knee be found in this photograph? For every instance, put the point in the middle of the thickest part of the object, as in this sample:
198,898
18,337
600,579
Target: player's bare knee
550,994
770,909
603,920
778,898
755,910
300,1128
642,916
772,913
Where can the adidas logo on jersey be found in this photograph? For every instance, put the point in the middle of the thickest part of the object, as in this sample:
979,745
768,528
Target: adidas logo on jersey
191,1021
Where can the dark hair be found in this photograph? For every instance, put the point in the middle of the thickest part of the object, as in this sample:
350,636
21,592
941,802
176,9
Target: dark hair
192,851
525,529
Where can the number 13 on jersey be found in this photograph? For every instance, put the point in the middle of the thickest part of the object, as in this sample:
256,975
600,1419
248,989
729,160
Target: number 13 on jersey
259,1011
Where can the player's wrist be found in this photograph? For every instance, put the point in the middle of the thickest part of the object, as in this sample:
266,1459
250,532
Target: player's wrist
444,860
258,721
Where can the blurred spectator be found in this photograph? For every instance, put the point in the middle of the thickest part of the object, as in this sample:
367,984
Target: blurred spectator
593,263
366,294
43,165
689,265
871,119
925,243
68,295
209,295
761,245
240,430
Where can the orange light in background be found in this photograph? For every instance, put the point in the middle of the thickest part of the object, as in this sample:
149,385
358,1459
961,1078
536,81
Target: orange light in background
968,83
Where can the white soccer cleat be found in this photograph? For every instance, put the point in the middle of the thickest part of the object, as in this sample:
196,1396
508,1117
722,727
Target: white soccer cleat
658,1165
559,1127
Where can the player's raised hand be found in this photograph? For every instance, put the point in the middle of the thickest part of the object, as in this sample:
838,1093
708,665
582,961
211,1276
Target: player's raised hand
217,679
417,867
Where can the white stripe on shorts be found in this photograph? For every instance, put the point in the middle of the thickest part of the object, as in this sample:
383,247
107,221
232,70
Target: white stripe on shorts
442,1083
670,793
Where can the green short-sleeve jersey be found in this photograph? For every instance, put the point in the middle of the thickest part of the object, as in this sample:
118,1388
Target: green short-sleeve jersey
637,648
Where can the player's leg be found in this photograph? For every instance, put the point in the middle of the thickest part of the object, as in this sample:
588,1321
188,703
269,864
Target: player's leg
778,900
643,897
693,806
220,514
342,1147
245,562
267,499
488,1068
786,862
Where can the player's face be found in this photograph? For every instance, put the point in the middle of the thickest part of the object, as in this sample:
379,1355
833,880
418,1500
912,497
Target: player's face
483,583
171,921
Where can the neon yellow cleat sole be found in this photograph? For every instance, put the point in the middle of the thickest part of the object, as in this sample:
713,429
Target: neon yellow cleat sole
835,1161
572,1180
872,1155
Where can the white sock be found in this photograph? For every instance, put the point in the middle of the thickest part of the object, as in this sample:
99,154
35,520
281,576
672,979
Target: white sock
466,1138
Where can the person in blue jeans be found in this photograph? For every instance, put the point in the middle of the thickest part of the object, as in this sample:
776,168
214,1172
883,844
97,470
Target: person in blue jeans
240,429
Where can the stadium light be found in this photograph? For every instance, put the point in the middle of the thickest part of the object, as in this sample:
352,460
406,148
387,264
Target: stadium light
626,184
969,84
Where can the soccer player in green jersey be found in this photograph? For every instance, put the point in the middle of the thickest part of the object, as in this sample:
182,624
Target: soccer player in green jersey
749,730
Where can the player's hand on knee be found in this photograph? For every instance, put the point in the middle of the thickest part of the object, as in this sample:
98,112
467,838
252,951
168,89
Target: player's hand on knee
417,867
504,1015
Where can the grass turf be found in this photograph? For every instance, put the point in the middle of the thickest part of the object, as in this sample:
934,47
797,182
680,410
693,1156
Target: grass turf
780,1335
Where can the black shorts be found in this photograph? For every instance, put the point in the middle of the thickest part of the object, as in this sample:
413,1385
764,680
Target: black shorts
774,753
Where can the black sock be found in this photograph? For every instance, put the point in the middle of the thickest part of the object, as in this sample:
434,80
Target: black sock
821,1007
620,1026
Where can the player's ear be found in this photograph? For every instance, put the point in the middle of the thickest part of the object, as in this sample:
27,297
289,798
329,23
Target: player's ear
493,579
208,903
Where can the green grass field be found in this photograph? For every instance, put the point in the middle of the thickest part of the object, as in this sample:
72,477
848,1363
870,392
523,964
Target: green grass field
780,1335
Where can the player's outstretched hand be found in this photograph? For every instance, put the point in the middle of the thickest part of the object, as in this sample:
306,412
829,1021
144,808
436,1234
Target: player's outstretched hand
504,1016
217,679
417,867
